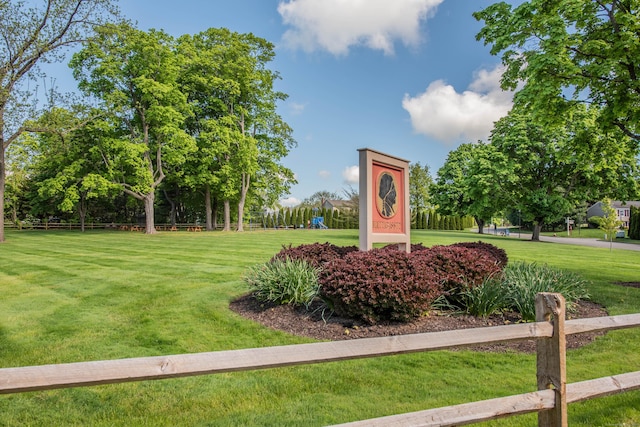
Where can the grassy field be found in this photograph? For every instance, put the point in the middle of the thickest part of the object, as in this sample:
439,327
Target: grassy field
69,296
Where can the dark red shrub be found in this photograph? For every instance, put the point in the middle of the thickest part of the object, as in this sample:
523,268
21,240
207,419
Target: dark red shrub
316,254
497,253
415,247
388,284
380,284
457,267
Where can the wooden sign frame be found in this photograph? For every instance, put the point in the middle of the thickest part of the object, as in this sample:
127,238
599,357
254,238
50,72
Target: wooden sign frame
384,200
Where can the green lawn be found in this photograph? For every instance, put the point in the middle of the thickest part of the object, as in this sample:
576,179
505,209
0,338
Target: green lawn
69,296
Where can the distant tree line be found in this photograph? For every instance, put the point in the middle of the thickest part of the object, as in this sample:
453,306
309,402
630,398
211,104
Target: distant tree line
301,217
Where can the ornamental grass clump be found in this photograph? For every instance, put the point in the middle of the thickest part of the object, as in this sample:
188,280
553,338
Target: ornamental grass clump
288,281
523,281
485,299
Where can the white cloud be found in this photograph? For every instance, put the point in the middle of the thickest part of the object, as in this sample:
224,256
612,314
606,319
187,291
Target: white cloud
297,108
351,175
337,25
442,113
289,202
324,174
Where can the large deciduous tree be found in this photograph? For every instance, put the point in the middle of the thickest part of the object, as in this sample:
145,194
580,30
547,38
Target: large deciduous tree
135,75
553,168
471,182
586,50
30,34
239,133
67,168
420,181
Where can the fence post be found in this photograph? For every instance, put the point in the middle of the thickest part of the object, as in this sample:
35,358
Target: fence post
551,358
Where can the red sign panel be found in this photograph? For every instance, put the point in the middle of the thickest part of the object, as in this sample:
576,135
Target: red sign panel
388,198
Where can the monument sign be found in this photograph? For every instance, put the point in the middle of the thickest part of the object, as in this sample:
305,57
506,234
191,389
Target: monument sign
384,200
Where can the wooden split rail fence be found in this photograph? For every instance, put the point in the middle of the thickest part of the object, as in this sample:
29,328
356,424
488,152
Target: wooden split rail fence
550,401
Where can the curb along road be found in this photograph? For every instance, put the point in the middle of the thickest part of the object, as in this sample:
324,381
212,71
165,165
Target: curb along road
595,243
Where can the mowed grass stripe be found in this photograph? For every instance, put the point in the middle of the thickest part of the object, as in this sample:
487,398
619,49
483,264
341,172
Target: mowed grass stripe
71,296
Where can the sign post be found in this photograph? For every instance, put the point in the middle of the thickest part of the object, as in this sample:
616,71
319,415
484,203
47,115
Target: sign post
384,200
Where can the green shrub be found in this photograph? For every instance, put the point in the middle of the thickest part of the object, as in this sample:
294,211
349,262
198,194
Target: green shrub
284,281
485,299
523,281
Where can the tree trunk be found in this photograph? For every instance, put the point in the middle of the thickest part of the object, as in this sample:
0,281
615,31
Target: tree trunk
240,214
149,200
246,180
480,223
82,211
214,207
2,183
537,227
172,212
227,216
14,215
207,207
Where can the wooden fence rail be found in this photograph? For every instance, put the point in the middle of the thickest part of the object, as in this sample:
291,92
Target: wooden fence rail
549,401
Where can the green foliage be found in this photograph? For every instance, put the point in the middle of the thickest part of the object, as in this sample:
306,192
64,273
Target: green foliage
609,222
522,281
557,53
553,169
634,223
469,181
290,281
420,182
135,75
33,35
516,289
485,299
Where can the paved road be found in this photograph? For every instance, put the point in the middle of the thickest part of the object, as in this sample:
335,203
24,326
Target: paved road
596,243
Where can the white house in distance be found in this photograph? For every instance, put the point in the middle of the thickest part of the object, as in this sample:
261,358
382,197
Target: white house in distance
336,204
623,209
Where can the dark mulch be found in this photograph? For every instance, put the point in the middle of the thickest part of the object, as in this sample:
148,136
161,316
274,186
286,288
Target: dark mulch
310,323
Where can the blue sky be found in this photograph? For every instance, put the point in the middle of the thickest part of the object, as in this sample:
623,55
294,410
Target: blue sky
405,77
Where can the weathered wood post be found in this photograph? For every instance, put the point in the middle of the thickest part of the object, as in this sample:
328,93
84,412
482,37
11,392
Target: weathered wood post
552,358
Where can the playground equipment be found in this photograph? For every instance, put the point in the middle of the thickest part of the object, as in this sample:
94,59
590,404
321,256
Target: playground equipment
318,222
